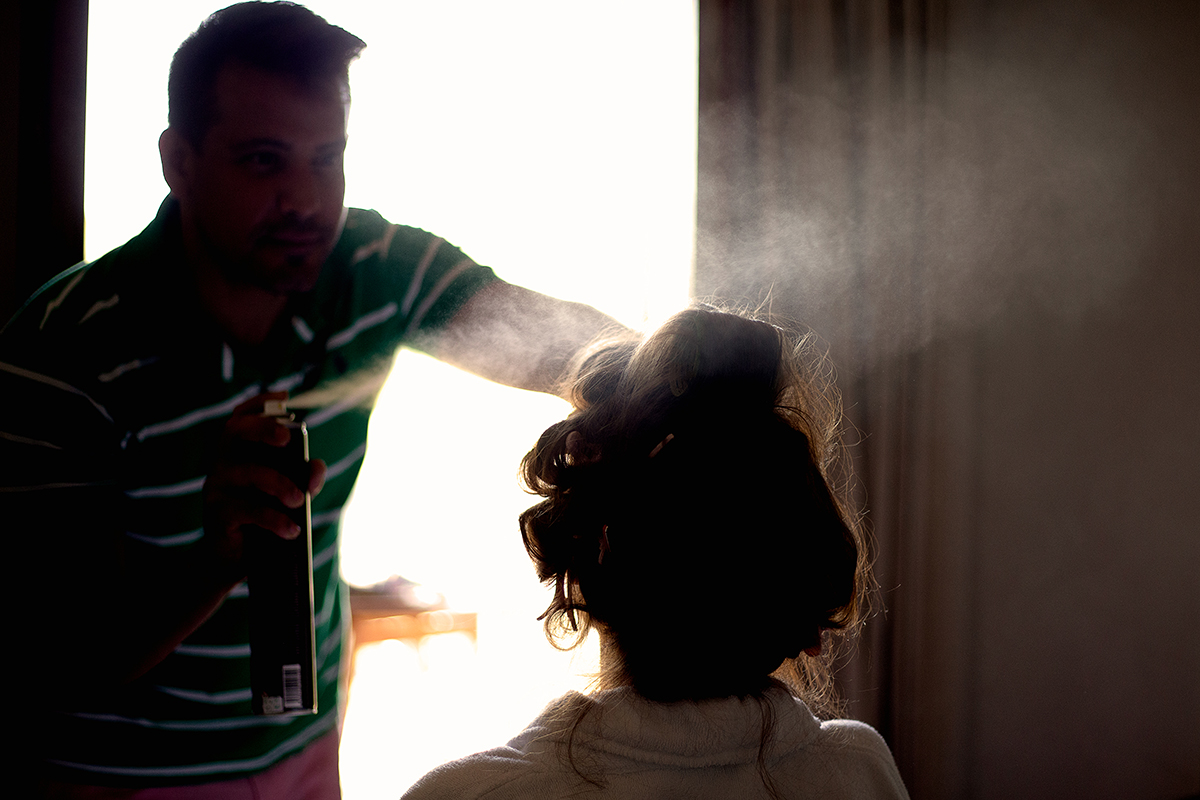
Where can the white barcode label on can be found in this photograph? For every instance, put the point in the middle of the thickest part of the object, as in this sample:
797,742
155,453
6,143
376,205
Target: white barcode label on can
292,696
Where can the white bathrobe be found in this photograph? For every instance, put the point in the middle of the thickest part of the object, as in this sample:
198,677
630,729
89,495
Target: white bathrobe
632,748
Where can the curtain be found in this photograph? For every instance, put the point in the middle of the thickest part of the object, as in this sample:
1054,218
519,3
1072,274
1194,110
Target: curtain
986,212
813,129
43,63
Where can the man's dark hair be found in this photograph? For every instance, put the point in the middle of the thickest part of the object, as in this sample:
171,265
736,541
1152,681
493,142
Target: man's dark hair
279,37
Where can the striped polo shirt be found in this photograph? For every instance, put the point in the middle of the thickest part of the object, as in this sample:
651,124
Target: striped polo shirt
115,389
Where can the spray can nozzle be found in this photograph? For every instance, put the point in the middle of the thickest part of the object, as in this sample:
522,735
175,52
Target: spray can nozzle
275,408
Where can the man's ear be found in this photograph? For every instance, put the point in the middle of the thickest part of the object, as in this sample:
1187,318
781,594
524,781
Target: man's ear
178,159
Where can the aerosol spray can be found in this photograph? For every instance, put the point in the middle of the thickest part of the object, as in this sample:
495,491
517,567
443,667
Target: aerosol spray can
283,676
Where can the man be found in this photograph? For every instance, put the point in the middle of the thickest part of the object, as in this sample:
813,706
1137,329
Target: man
132,383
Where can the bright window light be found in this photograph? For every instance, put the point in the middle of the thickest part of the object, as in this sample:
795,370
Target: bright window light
552,140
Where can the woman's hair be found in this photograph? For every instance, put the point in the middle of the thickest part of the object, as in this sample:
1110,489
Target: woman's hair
691,512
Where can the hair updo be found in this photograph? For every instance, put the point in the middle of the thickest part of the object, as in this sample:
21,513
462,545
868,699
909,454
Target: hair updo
689,512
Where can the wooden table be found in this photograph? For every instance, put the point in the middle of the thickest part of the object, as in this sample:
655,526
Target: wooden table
378,625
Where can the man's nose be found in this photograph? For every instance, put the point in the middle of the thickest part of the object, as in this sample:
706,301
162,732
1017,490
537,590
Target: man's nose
300,193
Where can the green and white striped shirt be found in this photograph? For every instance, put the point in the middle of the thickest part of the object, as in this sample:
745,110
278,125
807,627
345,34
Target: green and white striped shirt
115,389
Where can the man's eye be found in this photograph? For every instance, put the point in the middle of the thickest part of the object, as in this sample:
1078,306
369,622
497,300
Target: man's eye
261,160
329,159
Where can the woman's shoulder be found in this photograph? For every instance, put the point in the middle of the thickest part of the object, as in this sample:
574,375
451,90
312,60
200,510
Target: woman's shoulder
473,776
858,759
528,766
852,733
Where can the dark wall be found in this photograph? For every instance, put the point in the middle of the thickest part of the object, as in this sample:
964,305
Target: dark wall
43,65
10,38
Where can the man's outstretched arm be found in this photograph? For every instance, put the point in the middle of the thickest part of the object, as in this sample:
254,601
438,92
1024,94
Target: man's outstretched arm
519,337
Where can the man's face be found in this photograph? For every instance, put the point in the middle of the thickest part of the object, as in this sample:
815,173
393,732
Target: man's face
261,198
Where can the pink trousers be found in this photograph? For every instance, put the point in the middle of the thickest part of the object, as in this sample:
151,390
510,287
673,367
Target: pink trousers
311,774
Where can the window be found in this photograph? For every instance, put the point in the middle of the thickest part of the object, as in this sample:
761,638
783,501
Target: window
554,141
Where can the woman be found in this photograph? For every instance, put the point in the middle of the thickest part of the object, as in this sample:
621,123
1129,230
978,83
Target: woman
689,517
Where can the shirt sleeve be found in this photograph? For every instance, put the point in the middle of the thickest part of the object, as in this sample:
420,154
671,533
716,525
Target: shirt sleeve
58,495
414,279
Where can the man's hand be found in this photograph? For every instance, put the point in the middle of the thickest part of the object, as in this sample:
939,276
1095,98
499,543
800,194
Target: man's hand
239,490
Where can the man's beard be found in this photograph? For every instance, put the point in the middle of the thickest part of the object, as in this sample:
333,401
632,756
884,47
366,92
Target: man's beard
294,273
